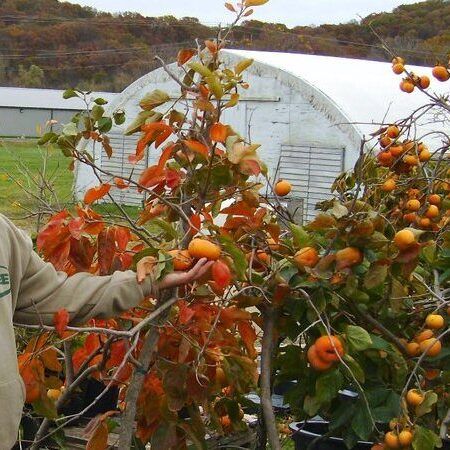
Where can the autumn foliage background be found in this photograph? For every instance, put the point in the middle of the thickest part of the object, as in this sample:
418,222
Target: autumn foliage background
356,299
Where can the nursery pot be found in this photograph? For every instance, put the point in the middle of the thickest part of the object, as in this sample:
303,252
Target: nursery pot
306,435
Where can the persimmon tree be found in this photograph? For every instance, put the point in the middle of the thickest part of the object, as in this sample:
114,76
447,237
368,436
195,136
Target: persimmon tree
183,361
366,288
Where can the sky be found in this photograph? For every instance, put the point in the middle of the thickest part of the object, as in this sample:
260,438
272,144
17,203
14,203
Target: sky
289,12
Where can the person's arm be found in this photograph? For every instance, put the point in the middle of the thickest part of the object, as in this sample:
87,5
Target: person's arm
43,290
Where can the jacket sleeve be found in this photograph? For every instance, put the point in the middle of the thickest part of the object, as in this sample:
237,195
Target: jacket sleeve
43,290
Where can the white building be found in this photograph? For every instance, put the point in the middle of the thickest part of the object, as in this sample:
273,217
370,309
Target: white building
24,112
308,112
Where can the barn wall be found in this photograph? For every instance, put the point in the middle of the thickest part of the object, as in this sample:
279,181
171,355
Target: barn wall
18,122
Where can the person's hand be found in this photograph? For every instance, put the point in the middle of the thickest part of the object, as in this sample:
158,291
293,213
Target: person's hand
146,266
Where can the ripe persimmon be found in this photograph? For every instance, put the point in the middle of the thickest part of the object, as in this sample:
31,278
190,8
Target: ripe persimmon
348,257
396,150
391,440
413,205
407,86
424,155
414,397
434,199
283,188
434,321
316,362
398,68
441,73
431,347
53,394
431,374
181,259
306,257
385,141
413,349
329,348
389,185
201,248
410,217
405,438
404,239
423,335
424,82
393,131
385,158
411,160
432,212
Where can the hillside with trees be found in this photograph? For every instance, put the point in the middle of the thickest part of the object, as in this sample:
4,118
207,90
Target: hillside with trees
47,43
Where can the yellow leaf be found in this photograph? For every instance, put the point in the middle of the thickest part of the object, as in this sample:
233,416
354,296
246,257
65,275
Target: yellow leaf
243,65
255,2
233,101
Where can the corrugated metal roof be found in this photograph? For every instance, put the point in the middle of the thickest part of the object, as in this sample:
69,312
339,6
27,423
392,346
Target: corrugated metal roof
44,99
365,91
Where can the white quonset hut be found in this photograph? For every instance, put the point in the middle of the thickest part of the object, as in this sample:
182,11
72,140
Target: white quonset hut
308,112
23,112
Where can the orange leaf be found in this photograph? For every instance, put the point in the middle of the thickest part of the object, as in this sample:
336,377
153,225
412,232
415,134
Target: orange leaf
221,274
61,320
49,358
185,55
197,147
248,336
230,7
99,438
195,224
218,132
211,46
96,193
239,209
120,183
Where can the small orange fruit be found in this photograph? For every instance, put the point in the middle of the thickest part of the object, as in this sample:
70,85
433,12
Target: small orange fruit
389,185
181,259
306,257
413,349
329,348
403,239
407,86
396,150
423,222
283,188
377,447
424,82
432,212
385,141
414,397
410,217
413,205
405,438
391,440
411,160
434,321
393,131
316,362
441,73
431,374
431,347
413,192
54,394
423,335
225,421
398,60
424,155
434,199
385,158
348,257
398,68
201,248
263,257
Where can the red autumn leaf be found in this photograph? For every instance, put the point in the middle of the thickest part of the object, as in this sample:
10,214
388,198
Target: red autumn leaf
78,358
81,255
248,336
197,147
173,178
120,183
221,274
93,221
156,132
76,226
106,248
96,193
185,314
50,236
250,167
92,343
195,224
239,209
61,320
117,353
123,236
152,176
218,132
185,55
211,46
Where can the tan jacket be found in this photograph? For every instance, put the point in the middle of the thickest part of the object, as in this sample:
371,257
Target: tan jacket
31,291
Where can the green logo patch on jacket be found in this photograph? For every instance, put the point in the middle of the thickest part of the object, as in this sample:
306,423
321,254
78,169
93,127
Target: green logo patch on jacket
5,282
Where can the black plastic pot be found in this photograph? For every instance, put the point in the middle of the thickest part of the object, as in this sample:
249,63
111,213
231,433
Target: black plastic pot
306,436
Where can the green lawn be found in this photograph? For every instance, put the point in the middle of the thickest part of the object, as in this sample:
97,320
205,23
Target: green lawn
21,163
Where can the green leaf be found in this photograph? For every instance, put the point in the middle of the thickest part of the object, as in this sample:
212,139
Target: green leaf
358,338
375,276
429,252
154,99
70,129
97,112
362,423
425,439
49,137
328,386
166,227
214,85
243,65
104,124
119,117
355,368
45,407
100,101
70,93
426,406
311,405
300,236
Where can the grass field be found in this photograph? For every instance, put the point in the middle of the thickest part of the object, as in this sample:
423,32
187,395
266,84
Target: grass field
21,163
